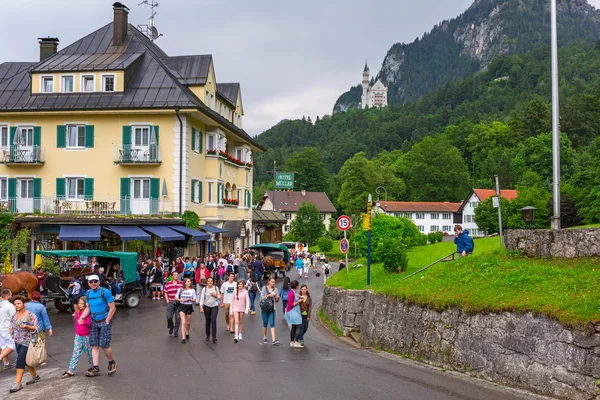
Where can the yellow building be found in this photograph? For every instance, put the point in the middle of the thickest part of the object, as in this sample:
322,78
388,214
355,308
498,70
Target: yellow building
111,131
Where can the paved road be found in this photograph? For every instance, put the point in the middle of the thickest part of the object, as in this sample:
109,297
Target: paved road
154,365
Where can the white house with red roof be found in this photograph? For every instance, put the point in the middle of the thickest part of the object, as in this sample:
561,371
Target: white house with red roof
467,209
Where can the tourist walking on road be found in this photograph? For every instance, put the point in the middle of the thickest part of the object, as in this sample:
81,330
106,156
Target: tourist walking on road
7,344
305,310
41,314
101,306
243,270
81,343
186,298
464,243
227,290
240,303
252,287
209,305
325,270
171,290
269,295
299,265
23,328
293,316
306,265
157,279
283,292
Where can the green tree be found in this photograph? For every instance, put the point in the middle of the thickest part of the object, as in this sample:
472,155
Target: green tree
386,227
307,226
310,172
434,170
11,242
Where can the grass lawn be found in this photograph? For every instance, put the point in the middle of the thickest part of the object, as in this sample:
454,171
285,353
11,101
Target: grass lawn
492,280
335,254
585,226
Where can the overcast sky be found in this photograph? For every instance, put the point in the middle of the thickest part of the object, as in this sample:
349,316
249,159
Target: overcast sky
292,58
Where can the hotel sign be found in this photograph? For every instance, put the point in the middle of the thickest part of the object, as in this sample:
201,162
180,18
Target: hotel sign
284,180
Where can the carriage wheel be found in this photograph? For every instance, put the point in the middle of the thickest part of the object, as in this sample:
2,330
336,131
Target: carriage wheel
60,306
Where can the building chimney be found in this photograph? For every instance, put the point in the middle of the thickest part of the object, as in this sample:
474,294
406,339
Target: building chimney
120,23
48,47
303,192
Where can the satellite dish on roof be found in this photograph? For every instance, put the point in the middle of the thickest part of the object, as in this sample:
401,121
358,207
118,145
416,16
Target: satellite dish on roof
153,33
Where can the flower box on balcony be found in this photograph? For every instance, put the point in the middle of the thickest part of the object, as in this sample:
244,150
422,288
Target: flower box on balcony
231,202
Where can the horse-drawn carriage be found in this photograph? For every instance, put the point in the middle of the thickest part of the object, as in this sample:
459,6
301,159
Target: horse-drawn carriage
276,258
58,285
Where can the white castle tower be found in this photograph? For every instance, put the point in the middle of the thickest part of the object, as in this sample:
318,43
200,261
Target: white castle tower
373,96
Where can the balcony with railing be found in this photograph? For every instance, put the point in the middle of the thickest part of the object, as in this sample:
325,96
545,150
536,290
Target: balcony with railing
109,206
22,155
137,155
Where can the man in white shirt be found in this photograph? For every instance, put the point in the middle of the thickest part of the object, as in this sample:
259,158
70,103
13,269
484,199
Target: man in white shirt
306,265
227,291
7,310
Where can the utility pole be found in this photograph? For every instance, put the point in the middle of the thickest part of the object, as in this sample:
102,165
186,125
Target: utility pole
555,124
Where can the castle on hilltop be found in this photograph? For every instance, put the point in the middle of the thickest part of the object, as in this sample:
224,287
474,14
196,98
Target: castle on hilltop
373,96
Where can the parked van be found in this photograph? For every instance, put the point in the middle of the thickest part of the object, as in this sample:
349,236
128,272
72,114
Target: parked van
297,247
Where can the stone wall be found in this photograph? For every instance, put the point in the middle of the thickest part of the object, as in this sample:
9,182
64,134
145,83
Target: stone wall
519,350
565,243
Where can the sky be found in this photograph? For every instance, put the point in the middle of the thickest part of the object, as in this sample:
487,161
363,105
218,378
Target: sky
292,58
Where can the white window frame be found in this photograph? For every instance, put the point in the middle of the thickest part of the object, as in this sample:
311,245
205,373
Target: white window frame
4,188
79,145
447,228
242,153
83,79
198,139
435,215
211,194
323,217
446,216
196,183
103,88
421,228
419,215
43,79
62,83
2,127
408,215
77,179
434,228
215,145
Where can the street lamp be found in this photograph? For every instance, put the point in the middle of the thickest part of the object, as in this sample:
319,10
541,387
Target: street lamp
528,215
377,191
261,229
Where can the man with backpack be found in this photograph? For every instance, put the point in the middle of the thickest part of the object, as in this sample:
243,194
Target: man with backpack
325,269
101,306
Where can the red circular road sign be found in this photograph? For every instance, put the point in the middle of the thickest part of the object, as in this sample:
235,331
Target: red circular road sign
344,223
344,245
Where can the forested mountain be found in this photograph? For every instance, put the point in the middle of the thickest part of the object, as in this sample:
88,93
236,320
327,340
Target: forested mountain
496,121
456,48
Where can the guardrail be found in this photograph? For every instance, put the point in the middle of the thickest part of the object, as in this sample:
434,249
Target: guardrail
130,154
81,206
18,154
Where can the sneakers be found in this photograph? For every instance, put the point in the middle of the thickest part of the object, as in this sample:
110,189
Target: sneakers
183,341
112,367
265,341
92,372
252,312
15,388
207,339
171,332
215,340
235,339
274,342
240,337
292,344
33,380
299,345
6,367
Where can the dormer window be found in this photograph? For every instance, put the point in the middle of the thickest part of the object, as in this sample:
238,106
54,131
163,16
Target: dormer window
67,84
108,83
87,83
47,84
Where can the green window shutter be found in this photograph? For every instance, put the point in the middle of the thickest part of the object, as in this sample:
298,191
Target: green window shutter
89,136
88,189
193,139
37,193
61,136
37,135
61,188
193,190
13,132
200,191
156,134
200,135
126,136
125,200
154,195
12,194
13,148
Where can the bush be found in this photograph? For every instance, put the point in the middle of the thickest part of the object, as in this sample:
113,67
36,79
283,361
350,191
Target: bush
439,236
431,237
387,227
325,244
392,253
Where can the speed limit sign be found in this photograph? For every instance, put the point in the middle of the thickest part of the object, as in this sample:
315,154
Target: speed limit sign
344,223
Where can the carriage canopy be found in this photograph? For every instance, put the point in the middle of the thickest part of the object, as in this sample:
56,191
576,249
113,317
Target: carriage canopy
267,248
128,261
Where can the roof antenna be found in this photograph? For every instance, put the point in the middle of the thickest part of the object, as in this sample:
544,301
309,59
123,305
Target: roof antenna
150,30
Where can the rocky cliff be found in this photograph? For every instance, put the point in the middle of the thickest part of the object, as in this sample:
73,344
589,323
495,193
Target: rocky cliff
458,47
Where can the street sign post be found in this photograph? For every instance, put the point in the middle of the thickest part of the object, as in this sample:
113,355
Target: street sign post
367,226
344,223
284,180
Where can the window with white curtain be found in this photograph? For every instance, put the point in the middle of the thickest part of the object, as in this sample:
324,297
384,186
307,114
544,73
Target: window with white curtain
75,188
67,84
4,189
75,136
4,136
211,187
87,83
47,84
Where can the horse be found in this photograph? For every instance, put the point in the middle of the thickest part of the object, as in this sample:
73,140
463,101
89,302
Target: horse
269,265
19,281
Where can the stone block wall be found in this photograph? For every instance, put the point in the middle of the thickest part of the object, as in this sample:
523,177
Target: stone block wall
519,350
564,243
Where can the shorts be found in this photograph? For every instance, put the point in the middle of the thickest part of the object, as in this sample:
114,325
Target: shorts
268,318
157,287
227,308
299,271
21,351
6,341
306,269
100,334
187,309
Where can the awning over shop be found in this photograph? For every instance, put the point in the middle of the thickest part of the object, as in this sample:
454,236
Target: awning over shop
164,233
129,232
234,229
212,229
268,217
195,235
80,233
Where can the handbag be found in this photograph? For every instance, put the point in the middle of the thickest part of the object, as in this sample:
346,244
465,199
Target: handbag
266,304
36,353
177,302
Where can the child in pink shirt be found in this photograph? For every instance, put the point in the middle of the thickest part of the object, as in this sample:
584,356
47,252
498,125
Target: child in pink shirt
82,339
240,304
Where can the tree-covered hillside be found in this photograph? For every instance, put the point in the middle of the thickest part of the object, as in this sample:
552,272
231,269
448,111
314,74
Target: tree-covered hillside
456,48
493,122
